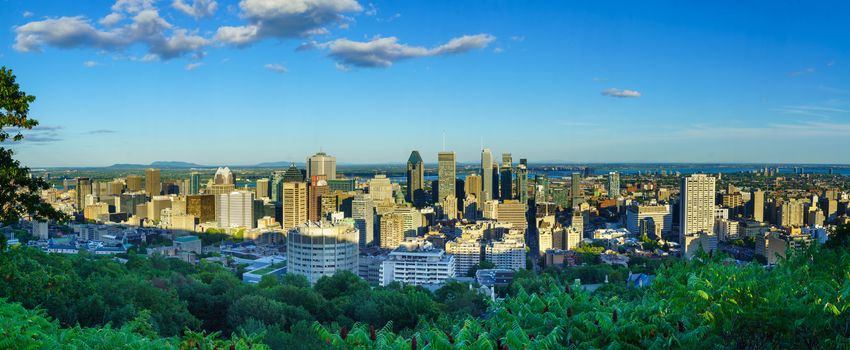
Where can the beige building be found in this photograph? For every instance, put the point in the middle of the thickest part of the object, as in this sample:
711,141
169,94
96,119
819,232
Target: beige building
392,230
153,184
513,211
446,175
294,204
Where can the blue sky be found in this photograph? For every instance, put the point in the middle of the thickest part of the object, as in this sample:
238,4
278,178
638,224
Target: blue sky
229,82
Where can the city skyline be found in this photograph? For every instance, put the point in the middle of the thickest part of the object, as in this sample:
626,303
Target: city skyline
610,82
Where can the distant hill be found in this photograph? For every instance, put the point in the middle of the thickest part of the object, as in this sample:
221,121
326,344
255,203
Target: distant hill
159,164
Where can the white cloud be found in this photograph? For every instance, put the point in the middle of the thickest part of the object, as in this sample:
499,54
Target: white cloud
91,64
146,27
192,66
285,19
111,19
27,14
274,67
614,92
383,52
197,9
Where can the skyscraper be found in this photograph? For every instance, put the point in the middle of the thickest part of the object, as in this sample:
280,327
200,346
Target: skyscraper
293,174
506,179
223,176
321,164
696,214
262,188
486,176
235,209
194,183
473,187
446,175
613,185
415,178
381,189
758,205
153,185
318,188
134,183
83,188
322,249
522,180
294,204
575,188
363,213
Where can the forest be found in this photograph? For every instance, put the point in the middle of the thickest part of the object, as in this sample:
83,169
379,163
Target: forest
143,302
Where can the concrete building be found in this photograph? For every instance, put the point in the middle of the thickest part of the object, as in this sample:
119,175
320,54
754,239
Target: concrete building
758,205
235,209
575,189
294,204
513,211
446,175
484,190
363,213
322,249
472,186
134,183
417,263
467,252
697,196
661,215
262,189
321,164
84,188
613,185
415,179
153,185
507,253
392,230
381,189
318,188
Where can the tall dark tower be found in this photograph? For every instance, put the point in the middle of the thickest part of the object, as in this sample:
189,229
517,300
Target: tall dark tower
415,179
506,177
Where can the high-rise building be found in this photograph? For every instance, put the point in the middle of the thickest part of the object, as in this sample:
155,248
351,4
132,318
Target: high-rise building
363,213
415,179
293,174
134,183
495,193
522,180
486,186
513,211
84,187
758,205
321,164
446,175
262,188
223,176
392,230
153,185
318,188
575,189
696,221
201,206
318,249
381,190
613,185
294,204
194,183
661,215
472,186
127,202
235,209
506,179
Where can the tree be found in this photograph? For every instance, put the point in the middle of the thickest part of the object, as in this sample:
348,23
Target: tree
19,193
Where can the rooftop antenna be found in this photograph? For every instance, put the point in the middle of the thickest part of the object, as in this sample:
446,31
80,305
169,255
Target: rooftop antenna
444,141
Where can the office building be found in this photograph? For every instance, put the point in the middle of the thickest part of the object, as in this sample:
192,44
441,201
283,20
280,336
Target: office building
262,188
466,252
235,209
486,185
134,183
392,230
153,185
613,185
697,196
507,253
513,212
446,175
127,202
84,188
318,249
194,183
363,213
342,185
522,180
381,190
415,179
417,263
506,179
321,164
318,188
661,215
223,176
201,206
472,186
575,189
294,204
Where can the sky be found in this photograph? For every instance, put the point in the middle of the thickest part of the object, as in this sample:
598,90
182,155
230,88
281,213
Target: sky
243,82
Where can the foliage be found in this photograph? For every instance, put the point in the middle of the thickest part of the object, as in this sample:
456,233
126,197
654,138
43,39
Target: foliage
19,192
